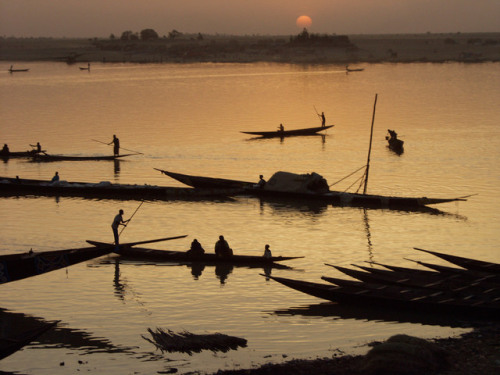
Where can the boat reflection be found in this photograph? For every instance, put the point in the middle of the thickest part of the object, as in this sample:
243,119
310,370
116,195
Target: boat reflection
221,270
14,323
373,313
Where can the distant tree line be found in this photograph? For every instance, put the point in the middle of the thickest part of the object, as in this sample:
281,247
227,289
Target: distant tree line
148,35
309,39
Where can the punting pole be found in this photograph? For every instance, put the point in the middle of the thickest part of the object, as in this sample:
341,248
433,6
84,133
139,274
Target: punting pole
137,209
126,149
370,148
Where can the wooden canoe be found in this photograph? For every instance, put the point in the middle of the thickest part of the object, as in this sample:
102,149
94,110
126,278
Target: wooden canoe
394,298
20,266
289,133
49,157
200,182
105,189
468,263
433,281
19,154
182,256
331,197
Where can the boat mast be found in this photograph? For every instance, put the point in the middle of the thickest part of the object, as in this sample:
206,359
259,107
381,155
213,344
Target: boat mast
370,148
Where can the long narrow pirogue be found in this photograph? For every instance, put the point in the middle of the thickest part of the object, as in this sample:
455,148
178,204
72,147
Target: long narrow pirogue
364,294
20,266
50,157
184,256
310,187
104,189
289,133
472,293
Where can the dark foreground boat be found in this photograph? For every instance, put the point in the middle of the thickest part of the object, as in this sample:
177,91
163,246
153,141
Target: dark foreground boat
183,256
48,157
396,298
311,187
20,266
10,345
468,263
104,189
289,133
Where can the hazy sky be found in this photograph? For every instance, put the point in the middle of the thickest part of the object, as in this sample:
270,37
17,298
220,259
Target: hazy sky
100,18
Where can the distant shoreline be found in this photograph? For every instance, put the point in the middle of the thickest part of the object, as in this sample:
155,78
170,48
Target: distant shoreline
400,48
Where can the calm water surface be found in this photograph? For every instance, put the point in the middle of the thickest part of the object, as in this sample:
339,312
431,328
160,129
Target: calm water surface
188,118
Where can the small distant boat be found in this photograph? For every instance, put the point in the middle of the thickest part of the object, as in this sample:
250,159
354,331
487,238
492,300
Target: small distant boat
289,133
49,157
395,144
353,70
12,70
85,68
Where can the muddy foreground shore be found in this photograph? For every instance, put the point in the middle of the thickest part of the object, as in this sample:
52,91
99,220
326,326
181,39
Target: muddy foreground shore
474,353
351,49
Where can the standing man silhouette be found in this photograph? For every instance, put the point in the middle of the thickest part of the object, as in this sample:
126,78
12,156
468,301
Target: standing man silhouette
116,145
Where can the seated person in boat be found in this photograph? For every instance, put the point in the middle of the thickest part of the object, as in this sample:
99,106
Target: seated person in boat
261,182
392,133
196,248
281,128
267,252
222,248
55,178
5,150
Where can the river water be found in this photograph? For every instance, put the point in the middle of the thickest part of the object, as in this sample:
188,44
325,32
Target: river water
188,118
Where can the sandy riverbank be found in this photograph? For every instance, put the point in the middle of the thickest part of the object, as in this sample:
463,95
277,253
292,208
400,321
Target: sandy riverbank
478,47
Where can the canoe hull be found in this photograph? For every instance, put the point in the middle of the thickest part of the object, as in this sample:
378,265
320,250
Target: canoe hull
15,267
47,157
107,190
289,133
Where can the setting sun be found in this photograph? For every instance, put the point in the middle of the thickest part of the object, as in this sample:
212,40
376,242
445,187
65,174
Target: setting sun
303,21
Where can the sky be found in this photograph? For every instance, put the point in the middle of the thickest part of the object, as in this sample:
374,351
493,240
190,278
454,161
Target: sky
101,18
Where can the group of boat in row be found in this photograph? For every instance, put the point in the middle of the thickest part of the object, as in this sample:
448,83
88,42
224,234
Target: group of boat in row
469,291
284,185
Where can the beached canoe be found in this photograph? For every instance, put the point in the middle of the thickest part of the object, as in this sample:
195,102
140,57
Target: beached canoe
20,266
49,157
289,133
394,297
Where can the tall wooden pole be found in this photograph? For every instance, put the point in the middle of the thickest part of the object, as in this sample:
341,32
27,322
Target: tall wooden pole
370,148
